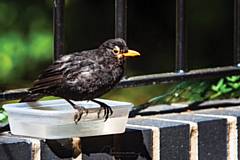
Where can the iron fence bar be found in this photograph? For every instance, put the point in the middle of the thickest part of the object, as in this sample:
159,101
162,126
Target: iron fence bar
173,77
236,36
121,19
192,107
180,36
152,79
58,27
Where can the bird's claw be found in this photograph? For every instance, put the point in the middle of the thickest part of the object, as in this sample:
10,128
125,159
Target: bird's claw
79,113
107,111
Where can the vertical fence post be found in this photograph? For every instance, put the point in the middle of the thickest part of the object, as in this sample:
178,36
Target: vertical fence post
180,36
121,19
58,27
236,36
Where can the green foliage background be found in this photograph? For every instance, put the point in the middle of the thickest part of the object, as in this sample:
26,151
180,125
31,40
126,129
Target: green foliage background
25,42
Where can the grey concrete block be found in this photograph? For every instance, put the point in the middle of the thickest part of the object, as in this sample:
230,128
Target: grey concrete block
212,135
15,148
98,156
61,151
174,138
233,116
128,146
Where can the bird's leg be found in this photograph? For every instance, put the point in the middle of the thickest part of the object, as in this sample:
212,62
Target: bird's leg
80,110
107,109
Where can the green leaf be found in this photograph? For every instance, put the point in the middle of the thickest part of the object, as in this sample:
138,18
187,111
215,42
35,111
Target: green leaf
219,84
235,85
224,89
233,78
3,117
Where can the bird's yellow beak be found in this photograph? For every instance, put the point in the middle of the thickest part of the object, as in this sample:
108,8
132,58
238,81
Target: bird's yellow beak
131,53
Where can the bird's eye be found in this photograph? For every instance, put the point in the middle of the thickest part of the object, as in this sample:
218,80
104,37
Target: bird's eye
116,50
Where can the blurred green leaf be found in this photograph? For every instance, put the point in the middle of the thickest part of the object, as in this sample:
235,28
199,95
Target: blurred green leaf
224,88
233,78
219,84
235,85
3,117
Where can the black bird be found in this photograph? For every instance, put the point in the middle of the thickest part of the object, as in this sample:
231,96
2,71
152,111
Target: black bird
83,76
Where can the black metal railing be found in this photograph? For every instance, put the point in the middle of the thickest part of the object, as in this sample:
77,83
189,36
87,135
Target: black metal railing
58,27
236,36
180,36
180,73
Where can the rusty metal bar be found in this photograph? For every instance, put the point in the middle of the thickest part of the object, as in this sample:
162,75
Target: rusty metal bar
180,36
121,19
58,27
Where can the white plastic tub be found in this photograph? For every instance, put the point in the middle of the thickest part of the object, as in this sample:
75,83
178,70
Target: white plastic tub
54,119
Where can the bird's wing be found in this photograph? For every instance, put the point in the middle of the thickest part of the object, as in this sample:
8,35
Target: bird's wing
52,76
60,71
82,69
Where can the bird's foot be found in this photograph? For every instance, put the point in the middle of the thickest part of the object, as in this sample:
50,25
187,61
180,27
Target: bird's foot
78,115
107,111
80,111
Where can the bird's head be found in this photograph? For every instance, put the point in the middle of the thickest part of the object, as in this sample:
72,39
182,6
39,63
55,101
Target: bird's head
118,48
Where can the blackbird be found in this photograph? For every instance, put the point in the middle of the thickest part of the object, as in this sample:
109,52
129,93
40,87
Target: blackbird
83,76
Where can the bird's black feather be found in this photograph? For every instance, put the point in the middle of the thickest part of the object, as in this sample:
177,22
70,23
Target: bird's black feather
82,75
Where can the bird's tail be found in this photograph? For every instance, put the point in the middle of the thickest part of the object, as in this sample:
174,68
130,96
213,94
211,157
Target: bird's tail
31,97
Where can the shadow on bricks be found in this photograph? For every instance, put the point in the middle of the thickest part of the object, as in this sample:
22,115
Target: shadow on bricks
127,146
